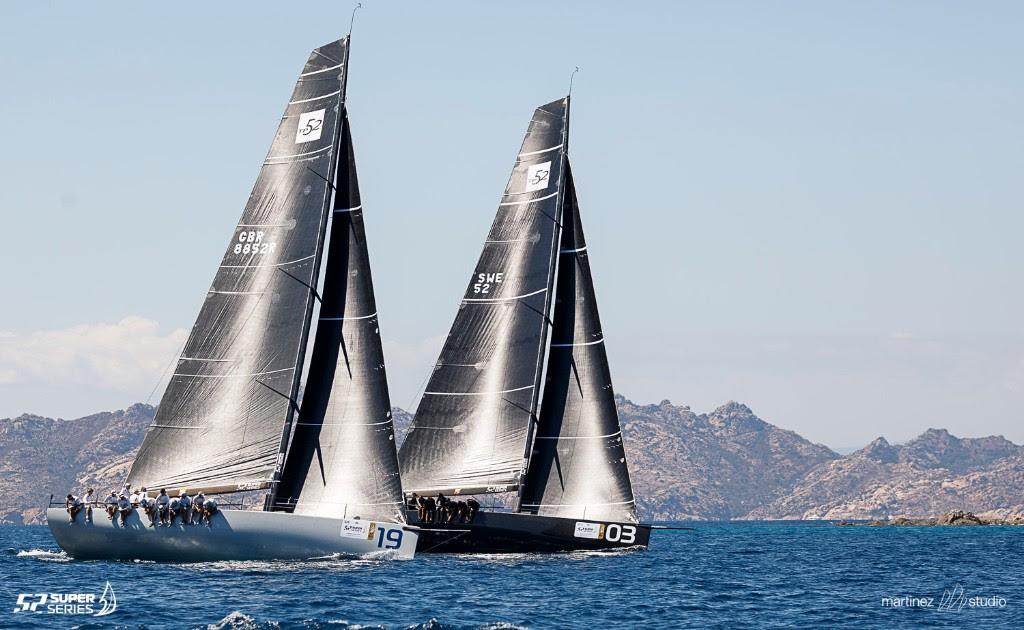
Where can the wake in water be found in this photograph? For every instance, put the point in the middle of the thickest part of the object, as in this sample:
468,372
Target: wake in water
514,559
332,562
238,620
41,554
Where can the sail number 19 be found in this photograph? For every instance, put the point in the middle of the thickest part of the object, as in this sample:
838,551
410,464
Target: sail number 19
389,538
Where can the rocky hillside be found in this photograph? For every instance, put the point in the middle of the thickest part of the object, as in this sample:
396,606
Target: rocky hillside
719,465
42,455
927,476
727,464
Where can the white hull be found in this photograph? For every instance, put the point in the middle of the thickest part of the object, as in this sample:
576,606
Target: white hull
232,535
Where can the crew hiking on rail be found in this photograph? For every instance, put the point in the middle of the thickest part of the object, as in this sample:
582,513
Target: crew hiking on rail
161,510
442,509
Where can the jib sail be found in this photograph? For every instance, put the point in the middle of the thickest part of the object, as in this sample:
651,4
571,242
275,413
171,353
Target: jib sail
342,461
578,466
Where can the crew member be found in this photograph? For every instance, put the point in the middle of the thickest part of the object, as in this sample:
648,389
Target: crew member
197,507
175,508
87,501
185,507
110,503
124,508
474,507
73,506
163,505
209,509
460,512
148,506
442,508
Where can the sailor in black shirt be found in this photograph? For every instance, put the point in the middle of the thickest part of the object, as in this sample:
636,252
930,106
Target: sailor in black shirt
474,507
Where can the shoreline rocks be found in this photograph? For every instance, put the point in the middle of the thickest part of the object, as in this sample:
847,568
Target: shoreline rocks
954,517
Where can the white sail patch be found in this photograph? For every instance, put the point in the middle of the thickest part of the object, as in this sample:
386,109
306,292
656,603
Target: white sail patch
311,126
538,176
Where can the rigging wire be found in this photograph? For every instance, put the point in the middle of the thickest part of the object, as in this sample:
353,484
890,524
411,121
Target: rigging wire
160,379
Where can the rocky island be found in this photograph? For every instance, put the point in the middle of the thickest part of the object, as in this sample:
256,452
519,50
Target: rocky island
956,517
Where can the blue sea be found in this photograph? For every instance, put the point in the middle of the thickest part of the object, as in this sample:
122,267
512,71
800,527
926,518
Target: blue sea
719,575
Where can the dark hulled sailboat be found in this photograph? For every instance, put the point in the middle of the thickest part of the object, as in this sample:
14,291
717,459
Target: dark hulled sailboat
225,422
520,399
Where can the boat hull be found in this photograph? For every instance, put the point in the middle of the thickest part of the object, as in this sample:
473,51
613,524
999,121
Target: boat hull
231,535
500,532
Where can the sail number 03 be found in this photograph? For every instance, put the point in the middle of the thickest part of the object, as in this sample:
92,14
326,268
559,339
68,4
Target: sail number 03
389,538
625,534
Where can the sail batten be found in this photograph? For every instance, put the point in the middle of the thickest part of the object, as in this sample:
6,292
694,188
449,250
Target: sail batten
220,421
471,427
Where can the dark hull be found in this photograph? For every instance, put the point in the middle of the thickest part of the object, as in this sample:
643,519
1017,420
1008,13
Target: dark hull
498,532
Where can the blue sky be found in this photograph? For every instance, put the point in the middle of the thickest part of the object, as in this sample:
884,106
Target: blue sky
814,208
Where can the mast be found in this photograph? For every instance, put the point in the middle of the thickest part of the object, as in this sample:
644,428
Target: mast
293,407
342,78
470,431
231,398
548,300
578,468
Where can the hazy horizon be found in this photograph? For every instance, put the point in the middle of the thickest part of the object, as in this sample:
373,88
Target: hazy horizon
813,209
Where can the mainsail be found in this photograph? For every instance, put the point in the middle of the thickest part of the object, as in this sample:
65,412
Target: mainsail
225,416
578,467
342,461
472,426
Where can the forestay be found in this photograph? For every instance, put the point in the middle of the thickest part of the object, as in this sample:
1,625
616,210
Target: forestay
578,467
472,424
224,418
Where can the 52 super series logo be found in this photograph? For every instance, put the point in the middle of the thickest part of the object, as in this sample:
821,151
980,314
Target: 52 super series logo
68,603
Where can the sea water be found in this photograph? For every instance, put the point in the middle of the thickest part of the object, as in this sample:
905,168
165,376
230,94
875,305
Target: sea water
728,575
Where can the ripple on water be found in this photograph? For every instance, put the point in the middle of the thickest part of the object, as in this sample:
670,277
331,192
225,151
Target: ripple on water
724,575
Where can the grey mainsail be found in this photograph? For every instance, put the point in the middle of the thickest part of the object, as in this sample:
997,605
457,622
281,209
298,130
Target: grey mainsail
473,423
342,461
578,466
224,419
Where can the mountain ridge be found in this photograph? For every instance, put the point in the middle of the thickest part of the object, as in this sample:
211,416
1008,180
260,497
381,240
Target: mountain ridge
724,464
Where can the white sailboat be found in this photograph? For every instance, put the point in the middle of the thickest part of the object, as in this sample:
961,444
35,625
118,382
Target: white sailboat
230,419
